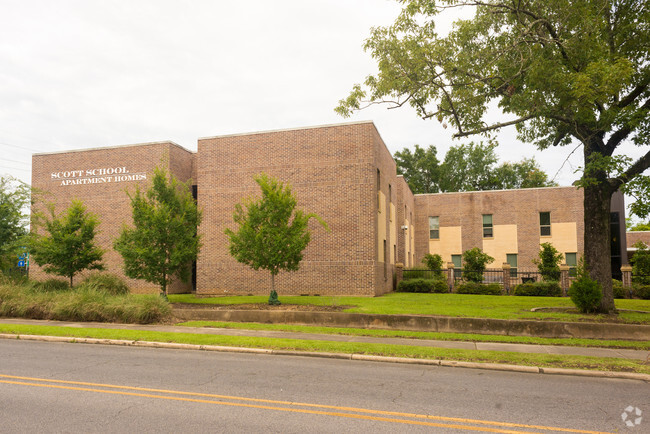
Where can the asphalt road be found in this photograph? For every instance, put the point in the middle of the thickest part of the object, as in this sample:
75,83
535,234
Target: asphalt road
57,387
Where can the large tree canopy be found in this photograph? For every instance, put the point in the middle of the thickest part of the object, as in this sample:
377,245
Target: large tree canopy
14,198
562,71
467,167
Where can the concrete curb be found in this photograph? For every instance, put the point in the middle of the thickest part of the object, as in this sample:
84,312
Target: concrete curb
361,357
425,323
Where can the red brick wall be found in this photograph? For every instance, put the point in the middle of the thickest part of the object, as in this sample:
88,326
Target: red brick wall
107,199
518,207
332,173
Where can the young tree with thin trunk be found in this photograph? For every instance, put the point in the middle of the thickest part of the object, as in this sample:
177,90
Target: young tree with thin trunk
563,72
163,242
272,234
69,245
14,198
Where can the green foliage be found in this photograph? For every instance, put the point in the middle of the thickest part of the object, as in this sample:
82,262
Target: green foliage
272,234
433,262
475,262
641,226
49,285
104,282
642,291
420,169
163,242
539,289
549,262
586,293
479,288
466,168
618,288
80,304
419,273
641,264
69,246
423,286
14,197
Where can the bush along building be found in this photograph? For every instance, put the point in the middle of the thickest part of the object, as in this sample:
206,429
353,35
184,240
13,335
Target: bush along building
346,175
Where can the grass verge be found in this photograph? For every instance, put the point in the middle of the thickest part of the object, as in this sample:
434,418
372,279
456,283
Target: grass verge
458,305
466,337
523,359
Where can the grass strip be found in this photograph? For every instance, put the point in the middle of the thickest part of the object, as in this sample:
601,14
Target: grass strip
524,359
457,305
465,337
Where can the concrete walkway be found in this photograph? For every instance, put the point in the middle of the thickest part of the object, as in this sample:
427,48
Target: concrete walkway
492,346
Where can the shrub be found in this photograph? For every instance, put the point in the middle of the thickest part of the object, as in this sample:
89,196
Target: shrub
549,262
433,262
539,289
418,273
586,294
642,292
415,285
49,285
440,286
475,261
104,282
617,287
479,288
641,264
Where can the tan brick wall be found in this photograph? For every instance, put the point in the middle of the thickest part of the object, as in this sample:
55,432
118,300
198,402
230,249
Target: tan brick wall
636,236
106,199
508,207
332,173
405,217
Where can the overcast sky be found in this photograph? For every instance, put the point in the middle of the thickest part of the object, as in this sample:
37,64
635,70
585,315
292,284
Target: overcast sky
85,74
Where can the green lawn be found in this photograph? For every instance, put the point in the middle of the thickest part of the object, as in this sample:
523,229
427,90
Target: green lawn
467,337
459,305
540,360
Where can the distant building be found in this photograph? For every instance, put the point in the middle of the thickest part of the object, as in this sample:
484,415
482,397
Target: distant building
346,175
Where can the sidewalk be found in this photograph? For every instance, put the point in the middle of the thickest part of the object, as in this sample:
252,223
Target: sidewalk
516,348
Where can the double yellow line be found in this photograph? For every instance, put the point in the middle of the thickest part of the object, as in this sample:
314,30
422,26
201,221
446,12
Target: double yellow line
294,407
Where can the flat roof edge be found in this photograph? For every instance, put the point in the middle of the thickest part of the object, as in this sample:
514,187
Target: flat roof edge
495,191
313,127
102,148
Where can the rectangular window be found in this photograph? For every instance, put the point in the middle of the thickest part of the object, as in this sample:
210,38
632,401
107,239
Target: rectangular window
571,259
545,224
457,261
378,190
434,228
511,259
487,226
390,202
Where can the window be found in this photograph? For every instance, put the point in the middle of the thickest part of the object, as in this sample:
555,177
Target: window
390,202
434,228
457,261
571,259
378,191
511,259
487,226
545,224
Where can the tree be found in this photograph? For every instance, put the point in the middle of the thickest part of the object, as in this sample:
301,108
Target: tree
14,198
549,262
563,72
468,167
69,246
420,169
641,226
163,242
475,261
272,233
433,262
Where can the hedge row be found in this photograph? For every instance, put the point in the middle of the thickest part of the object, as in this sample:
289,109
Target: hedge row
539,289
423,285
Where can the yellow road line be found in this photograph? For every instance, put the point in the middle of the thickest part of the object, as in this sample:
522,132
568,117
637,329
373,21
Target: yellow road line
289,403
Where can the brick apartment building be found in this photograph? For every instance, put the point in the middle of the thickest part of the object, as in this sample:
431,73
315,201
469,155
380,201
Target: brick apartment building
346,175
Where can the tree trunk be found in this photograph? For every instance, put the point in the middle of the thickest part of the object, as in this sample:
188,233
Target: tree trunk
272,282
71,276
597,256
